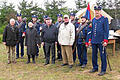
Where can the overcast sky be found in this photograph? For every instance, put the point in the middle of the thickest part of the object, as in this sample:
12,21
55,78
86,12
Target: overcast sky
69,3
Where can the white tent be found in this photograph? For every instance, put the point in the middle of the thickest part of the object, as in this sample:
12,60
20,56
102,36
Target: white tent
82,12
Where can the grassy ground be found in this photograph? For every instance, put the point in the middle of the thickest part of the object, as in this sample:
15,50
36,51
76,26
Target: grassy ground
22,71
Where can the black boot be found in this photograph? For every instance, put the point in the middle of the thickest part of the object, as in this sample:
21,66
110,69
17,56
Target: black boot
33,59
28,60
47,62
101,73
93,70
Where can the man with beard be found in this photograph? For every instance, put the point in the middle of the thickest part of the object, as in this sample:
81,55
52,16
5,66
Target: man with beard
82,42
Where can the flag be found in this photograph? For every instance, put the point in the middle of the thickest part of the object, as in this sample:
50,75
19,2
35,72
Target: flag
87,14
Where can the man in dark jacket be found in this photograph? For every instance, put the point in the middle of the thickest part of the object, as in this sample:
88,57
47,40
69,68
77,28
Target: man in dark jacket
10,39
32,42
49,37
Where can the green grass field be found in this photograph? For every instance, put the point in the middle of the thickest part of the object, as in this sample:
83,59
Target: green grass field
22,71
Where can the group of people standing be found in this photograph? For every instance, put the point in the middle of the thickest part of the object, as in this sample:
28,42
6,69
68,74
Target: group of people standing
64,34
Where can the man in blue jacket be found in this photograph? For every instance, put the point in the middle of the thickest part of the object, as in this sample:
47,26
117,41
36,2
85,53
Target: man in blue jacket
99,40
75,23
82,42
58,23
22,30
43,25
37,26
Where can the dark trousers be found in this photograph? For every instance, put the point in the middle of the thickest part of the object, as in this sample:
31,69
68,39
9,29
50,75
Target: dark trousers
33,57
59,55
22,48
50,47
37,54
74,54
95,48
44,51
82,53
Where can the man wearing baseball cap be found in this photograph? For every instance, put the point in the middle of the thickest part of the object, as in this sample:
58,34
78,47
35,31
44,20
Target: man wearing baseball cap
66,38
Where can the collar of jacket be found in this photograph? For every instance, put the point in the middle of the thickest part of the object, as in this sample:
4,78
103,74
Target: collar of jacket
10,25
66,23
98,17
83,23
30,27
49,26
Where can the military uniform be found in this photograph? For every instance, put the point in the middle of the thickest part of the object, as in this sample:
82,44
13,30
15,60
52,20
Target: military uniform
82,41
74,22
43,25
37,26
59,55
22,31
99,34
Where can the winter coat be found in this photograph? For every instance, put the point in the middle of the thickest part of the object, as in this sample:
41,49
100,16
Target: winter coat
66,35
31,41
49,34
11,35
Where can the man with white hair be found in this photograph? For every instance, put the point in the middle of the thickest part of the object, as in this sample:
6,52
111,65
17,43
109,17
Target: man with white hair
10,39
49,38
32,41
66,38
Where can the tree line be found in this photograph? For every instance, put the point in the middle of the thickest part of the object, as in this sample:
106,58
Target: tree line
52,9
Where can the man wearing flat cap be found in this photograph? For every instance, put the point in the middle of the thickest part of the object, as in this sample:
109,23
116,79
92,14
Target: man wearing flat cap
99,40
66,38
49,39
